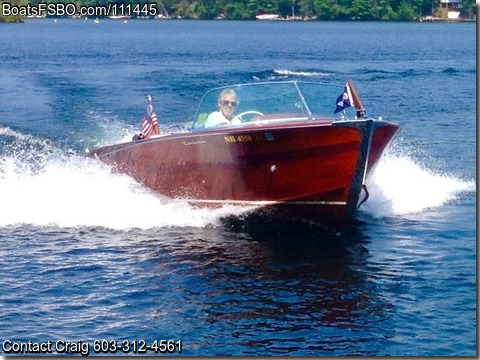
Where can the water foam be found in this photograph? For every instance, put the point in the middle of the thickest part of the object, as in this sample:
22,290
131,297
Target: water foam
43,185
77,191
400,186
285,72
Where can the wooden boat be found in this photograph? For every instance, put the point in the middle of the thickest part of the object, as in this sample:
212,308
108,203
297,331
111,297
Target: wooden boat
286,154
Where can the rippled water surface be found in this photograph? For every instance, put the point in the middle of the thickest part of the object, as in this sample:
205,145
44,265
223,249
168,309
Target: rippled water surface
88,254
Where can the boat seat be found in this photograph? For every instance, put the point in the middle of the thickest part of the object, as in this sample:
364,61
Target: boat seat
200,122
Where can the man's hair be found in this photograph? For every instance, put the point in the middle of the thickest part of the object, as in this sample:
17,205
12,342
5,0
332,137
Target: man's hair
227,92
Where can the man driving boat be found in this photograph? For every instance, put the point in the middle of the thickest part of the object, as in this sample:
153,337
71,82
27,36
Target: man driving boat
227,101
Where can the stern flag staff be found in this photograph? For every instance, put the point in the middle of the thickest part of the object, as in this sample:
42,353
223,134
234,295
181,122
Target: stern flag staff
149,123
345,100
350,98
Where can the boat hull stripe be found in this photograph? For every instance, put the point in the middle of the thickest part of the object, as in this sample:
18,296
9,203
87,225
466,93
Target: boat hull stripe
267,202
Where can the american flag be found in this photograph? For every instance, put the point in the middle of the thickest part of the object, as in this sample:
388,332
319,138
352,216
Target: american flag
345,100
149,120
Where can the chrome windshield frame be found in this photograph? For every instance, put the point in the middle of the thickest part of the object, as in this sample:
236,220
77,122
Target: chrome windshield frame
303,108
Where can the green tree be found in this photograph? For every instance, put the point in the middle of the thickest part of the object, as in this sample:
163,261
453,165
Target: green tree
405,12
361,10
343,10
382,10
424,7
206,9
12,18
325,9
284,8
234,11
469,9
252,8
307,7
390,15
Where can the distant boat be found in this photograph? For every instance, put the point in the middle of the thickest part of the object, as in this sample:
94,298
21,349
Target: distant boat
118,17
163,17
285,153
453,15
266,16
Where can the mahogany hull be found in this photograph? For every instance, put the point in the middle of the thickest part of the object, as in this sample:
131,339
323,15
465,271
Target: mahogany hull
311,170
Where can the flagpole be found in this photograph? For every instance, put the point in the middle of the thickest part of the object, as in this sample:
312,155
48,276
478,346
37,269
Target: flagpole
360,113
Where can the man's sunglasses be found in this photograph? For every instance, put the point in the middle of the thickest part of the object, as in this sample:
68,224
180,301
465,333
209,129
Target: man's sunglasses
226,103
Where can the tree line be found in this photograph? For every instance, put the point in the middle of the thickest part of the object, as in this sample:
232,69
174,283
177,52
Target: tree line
363,10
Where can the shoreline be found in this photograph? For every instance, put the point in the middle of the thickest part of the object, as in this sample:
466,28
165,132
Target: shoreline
427,19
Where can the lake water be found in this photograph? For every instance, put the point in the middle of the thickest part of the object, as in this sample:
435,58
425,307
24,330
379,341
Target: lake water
88,255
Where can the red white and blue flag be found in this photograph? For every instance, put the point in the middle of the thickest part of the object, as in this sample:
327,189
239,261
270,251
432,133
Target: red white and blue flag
345,100
149,120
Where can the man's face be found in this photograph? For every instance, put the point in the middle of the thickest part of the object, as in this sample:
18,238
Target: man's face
227,105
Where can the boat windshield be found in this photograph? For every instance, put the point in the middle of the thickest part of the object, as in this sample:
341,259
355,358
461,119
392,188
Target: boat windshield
274,101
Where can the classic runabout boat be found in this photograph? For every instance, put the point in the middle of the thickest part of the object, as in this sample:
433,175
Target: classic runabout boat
291,150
